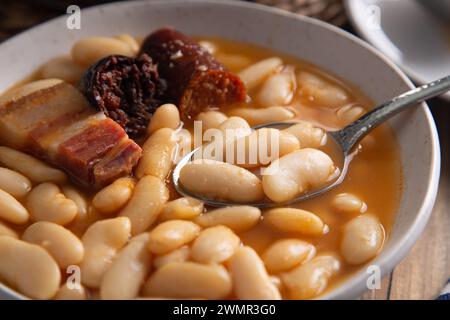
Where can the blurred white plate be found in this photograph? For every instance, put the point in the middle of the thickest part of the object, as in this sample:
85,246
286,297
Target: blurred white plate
407,33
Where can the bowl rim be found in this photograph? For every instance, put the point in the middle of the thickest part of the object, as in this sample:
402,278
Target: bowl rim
354,285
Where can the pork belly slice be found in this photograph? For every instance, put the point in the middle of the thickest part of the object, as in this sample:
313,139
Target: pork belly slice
16,93
46,139
18,118
57,125
118,162
80,153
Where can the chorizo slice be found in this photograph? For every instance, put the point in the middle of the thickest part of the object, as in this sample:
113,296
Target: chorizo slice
195,79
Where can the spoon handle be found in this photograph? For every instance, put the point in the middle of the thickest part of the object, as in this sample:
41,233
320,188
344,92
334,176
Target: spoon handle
349,136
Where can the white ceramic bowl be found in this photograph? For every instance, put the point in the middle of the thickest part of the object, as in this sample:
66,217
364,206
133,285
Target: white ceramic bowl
326,46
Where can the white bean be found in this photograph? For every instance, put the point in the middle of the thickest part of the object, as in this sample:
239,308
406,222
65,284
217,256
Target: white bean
63,68
237,124
184,144
63,245
350,114
320,91
260,148
171,235
234,62
166,116
149,197
127,272
101,242
295,220
47,203
158,153
80,224
66,293
114,196
348,203
29,268
7,231
14,183
237,218
256,73
308,135
362,239
184,208
12,210
228,131
89,50
277,283
220,180
211,119
36,170
78,198
22,91
215,245
264,115
284,255
311,279
189,280
296,173
277,89
250,278
131,41
179,255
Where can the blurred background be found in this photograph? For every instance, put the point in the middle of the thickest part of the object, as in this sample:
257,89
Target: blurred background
415,34
18,15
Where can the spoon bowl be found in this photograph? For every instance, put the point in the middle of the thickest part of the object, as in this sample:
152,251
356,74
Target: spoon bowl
345,140
337,178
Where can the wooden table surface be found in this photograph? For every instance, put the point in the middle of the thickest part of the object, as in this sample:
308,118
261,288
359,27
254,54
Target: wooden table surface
421,275
425,270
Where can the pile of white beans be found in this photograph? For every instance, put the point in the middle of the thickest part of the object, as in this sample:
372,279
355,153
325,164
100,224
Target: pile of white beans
135,239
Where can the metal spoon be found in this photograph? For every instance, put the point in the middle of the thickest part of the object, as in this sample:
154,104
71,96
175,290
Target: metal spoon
345,140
